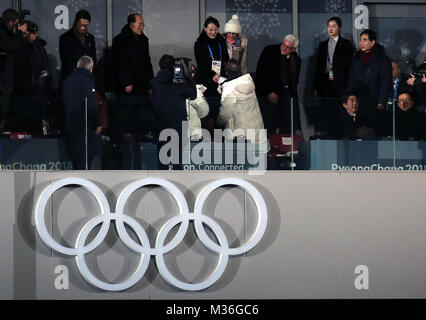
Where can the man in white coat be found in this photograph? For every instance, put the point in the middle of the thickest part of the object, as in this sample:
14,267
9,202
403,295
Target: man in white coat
239,111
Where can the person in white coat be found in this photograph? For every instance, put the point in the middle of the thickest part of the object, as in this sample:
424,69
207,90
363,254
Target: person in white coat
239,109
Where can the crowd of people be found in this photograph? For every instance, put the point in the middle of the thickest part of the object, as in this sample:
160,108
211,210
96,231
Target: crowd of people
357,90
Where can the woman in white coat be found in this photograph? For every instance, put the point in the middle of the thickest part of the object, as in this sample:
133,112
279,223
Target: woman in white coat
239,109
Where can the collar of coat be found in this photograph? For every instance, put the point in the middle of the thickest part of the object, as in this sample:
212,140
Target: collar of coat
84,72
378,53
126,31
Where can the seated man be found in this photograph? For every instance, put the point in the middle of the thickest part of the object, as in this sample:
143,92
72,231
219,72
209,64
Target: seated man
408,123
239,109
350,124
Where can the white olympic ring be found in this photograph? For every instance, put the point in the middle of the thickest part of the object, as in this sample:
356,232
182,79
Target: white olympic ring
184,217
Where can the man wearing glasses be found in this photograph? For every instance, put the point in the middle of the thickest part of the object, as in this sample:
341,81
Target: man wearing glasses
75,43
277,78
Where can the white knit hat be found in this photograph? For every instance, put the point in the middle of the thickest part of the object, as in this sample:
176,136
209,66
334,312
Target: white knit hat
233,25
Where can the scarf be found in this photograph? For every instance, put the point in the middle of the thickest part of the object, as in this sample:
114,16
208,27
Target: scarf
365,56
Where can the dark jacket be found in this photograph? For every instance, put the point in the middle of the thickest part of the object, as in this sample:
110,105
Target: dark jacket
77,87
347,125
10,44
132,63
402,87
204,60
169,101
373,80
268,71
71,49
342,60
408,124
32,68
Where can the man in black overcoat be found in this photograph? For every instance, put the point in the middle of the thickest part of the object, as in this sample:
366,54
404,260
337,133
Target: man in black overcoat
132,112
277,78
75,43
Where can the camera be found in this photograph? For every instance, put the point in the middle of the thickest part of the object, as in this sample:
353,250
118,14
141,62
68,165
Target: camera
182,70
421,70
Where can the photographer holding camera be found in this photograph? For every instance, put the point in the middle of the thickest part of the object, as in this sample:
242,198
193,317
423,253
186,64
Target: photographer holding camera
10,44
417,81
32,83
170,89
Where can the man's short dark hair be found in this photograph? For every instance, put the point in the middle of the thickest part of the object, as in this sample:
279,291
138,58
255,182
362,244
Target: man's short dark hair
406,92
167,61
337,20
346,96
10,15
232,67
370,33
83,14
131,18
213,20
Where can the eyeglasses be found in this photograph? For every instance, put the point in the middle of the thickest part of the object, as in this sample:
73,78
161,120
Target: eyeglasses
287,47
139,24
404,100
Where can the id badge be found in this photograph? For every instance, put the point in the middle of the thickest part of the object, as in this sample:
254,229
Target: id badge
216,66
330,74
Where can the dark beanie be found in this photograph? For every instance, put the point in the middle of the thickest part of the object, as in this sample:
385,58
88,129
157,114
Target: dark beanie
82,14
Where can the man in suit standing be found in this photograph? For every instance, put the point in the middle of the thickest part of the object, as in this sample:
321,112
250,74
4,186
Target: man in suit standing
277,79
334,59
75,43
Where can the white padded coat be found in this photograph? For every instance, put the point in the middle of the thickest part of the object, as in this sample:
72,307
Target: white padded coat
240,109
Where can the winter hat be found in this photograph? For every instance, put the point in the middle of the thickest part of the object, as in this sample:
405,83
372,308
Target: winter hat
233,25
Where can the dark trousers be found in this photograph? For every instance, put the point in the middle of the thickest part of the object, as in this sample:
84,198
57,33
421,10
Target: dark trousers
330,103
130,114
277,117
81,153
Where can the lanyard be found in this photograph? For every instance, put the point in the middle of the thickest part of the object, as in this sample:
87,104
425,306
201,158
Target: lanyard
211,52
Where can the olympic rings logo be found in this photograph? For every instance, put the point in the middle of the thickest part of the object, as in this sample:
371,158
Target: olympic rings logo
184,217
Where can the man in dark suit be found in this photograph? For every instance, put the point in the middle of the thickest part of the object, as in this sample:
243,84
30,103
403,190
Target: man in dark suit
334,59
75,43
277,79
82,114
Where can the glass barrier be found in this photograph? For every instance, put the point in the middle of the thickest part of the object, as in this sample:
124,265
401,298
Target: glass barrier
359,136
303,130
